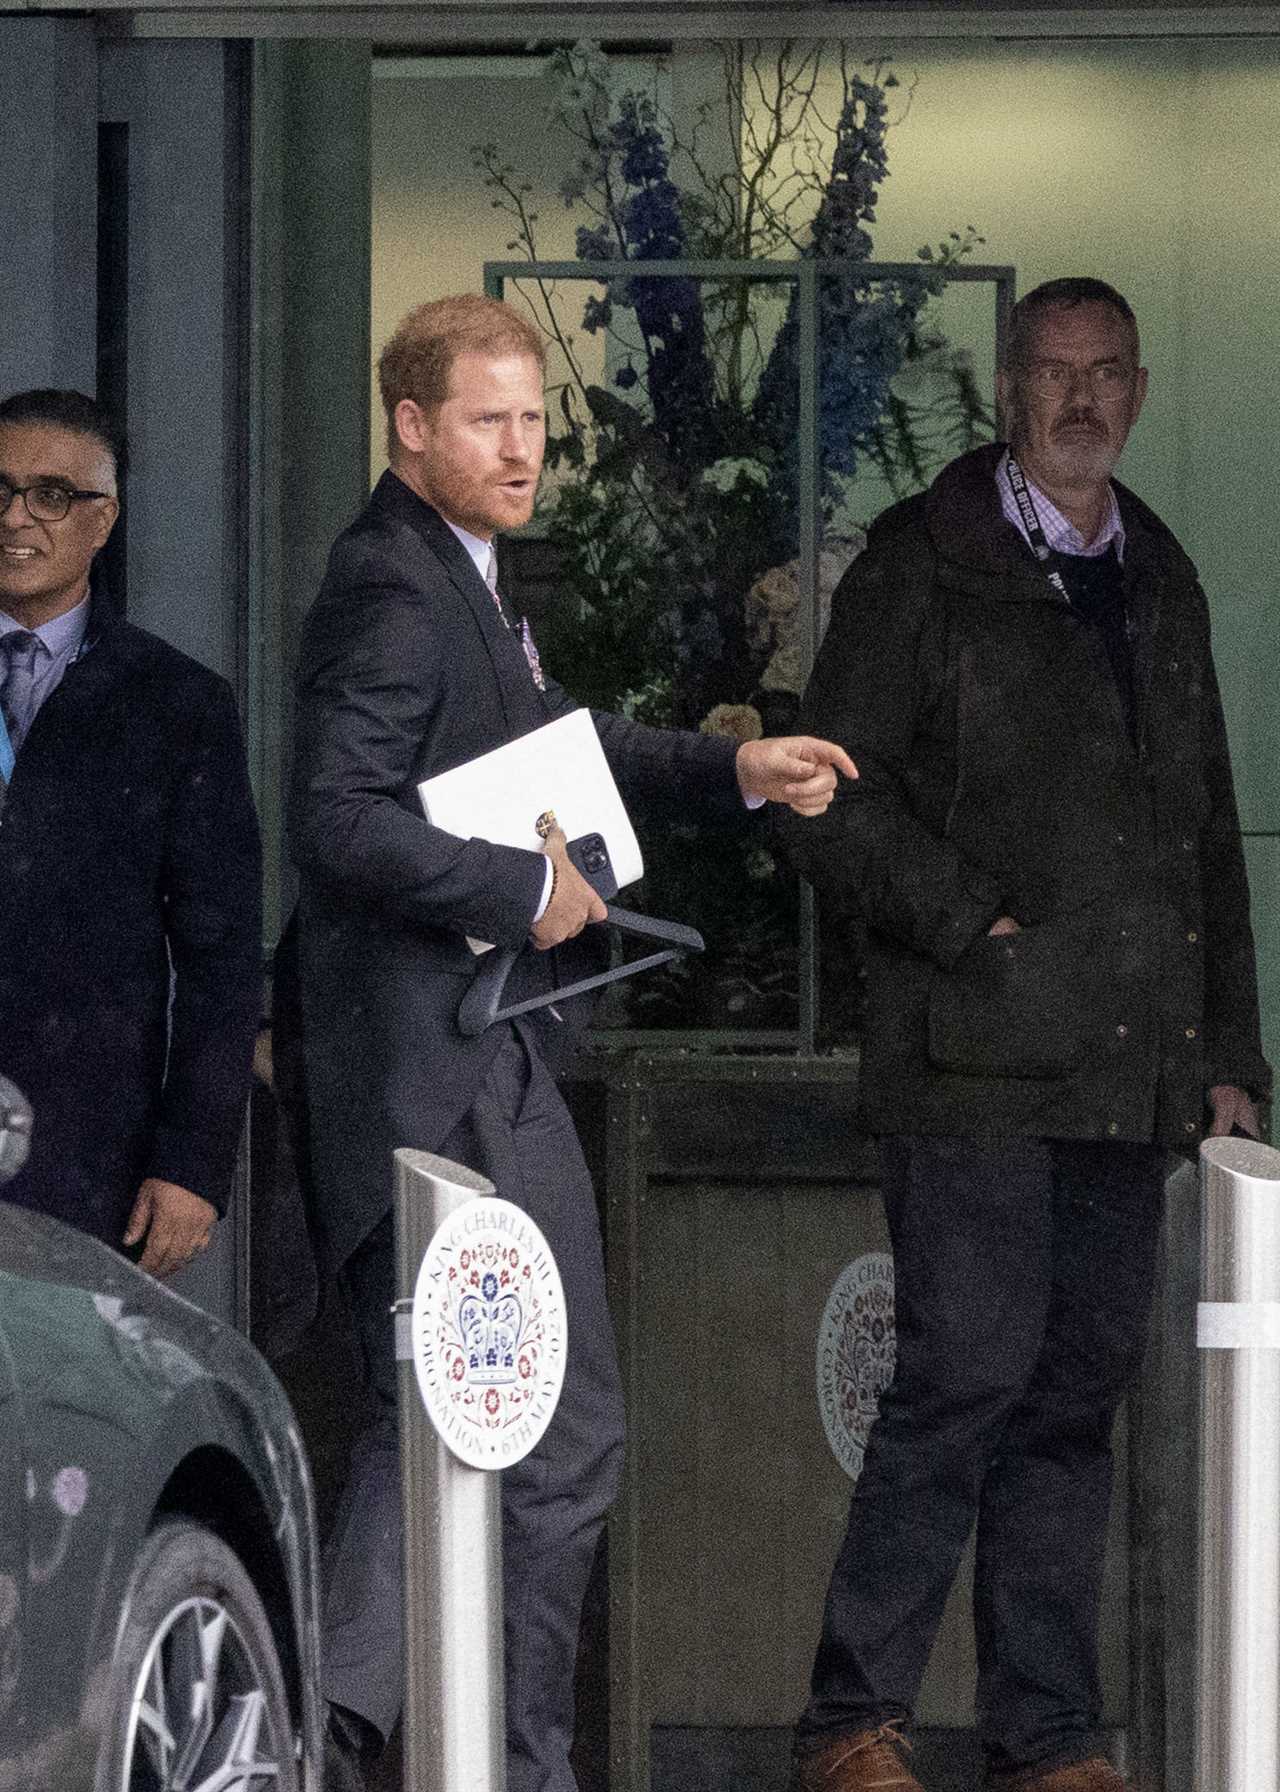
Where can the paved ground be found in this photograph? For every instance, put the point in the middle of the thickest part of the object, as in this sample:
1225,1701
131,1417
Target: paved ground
704,1760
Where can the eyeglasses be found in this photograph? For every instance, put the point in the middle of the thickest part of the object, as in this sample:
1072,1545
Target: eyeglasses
1106,379
46,502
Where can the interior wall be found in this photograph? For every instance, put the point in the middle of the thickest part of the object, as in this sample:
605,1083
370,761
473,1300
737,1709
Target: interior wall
435,223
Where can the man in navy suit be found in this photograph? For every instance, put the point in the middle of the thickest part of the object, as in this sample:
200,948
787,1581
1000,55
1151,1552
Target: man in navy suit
411,665
130,974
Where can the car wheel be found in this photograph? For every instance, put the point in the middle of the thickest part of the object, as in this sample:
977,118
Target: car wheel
197,1696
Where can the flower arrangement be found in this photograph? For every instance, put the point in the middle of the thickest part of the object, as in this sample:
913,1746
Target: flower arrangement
673,500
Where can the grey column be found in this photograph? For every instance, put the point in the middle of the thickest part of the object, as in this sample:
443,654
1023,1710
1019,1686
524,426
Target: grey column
309,375
48,203
177,100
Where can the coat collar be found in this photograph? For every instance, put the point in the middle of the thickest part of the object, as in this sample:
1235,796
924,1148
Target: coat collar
111,644
106,626
394,501
983,550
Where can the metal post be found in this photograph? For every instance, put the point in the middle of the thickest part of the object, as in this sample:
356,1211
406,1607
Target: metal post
453,1666
1238,1330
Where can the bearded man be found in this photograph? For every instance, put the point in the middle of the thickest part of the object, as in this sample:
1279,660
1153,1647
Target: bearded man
413,663
1045,848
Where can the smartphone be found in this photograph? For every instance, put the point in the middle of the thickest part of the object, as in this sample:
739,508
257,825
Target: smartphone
591,856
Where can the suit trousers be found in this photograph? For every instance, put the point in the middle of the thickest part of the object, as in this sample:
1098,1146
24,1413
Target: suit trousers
1023,1273
517,1133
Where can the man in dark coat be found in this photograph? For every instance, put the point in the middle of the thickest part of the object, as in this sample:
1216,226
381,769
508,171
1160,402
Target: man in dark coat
410,666
1045,850
130,967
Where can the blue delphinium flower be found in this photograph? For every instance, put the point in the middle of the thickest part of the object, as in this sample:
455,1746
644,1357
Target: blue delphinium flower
865,324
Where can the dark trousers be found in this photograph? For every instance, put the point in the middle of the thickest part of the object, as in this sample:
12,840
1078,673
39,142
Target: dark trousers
518,1134
1023,1280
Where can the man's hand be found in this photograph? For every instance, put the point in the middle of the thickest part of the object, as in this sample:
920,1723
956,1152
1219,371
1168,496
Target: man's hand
794,769
1232,1107
1006,924
177,1225
573,901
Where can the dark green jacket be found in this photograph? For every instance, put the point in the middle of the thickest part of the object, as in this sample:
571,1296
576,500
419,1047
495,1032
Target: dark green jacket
998,777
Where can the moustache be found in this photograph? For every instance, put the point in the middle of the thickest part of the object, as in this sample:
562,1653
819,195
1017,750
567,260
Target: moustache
1080,420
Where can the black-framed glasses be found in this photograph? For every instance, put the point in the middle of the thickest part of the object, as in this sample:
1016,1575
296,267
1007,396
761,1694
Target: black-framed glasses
46,501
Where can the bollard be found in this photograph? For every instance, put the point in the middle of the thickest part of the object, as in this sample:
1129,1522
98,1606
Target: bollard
454,1732
1238,1331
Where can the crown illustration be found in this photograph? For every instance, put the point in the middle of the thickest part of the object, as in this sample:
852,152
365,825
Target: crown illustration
490,1324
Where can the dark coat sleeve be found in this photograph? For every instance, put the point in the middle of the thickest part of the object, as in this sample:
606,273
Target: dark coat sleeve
671,767
373,688
664,767
211,896
1232,1042
379,690
871,691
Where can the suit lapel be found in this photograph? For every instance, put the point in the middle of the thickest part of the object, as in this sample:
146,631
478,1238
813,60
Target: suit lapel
523,705
91,677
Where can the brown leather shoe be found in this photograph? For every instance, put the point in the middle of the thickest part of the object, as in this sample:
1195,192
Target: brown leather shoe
856,1761
1093,1775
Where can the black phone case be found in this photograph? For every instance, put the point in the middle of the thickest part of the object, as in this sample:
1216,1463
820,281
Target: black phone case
591,856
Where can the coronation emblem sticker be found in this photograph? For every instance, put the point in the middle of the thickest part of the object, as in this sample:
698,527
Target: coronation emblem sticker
489,1333
856,1354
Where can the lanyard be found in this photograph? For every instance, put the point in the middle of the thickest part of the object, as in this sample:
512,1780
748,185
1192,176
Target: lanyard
1031,523
1038,540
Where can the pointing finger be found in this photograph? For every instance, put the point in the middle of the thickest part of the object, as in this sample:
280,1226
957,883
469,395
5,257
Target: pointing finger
826,752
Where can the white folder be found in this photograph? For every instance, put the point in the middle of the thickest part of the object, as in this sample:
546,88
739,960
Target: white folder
560,766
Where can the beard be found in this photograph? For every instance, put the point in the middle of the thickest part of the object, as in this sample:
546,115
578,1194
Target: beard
1077,450
1079,459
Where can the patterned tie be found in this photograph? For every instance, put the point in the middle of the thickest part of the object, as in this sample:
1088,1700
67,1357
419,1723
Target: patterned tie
526,634
491,580
17,678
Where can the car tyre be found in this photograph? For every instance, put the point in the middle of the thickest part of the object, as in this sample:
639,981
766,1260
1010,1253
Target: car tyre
197,1694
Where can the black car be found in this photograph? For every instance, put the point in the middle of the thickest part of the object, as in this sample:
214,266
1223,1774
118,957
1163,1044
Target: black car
157,1555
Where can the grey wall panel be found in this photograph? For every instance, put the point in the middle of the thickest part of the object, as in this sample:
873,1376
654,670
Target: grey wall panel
175,102
309,377
48,203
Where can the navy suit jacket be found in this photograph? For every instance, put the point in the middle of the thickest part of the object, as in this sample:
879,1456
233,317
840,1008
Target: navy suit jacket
406,670
130,930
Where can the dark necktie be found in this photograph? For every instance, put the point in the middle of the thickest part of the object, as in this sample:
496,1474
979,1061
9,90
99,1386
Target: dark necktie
17,680
17,676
